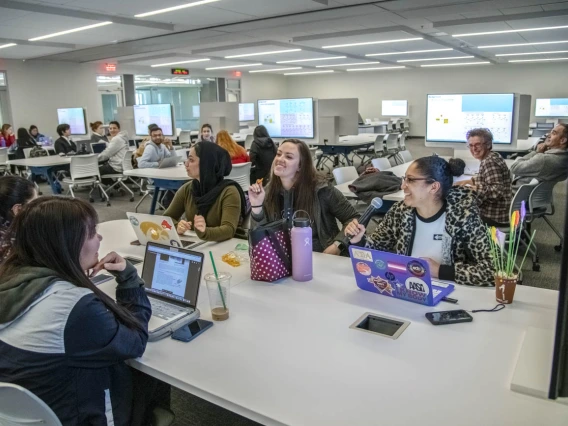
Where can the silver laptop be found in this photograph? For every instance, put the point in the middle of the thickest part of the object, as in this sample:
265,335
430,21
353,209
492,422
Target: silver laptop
159,229
170,162
172,277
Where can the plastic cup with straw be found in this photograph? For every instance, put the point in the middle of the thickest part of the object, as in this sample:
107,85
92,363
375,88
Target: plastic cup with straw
219,311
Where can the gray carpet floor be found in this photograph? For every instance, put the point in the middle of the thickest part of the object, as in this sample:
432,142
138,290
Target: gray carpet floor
191,410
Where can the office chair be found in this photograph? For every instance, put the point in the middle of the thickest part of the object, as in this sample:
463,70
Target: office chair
120,177
4,168
240,173
541,205
381,163
84,171
18,406
345,174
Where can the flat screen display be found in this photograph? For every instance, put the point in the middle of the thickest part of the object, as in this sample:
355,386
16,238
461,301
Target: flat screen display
554,107
246,112
160,114
287,118
449,117
394,109
195,111
75,117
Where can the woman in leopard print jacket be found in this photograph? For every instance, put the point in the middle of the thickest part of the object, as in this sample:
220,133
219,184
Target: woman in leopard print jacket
437,222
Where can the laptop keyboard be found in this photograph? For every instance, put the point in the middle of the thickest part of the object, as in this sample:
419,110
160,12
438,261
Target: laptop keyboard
165,310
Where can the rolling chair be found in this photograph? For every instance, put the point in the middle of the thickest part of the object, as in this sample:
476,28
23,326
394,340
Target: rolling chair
120,177
241,174
390,146
405,156
541,205
345,174
18,406
402,141
84,171
381,163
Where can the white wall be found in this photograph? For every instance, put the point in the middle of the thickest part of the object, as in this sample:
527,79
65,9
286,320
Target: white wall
38,88
538,80
262,86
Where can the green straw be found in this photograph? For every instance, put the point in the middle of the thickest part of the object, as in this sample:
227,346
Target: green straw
217,276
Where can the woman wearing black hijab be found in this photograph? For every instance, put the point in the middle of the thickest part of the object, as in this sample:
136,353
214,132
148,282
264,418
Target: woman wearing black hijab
262,153
212,204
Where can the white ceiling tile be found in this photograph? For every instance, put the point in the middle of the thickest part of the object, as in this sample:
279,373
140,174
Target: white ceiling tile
26,52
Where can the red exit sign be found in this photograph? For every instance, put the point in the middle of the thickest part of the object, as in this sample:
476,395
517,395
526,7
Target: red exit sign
180,71
110,67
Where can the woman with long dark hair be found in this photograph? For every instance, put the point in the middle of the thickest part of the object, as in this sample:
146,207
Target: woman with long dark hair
61,337
24,140
262,153
15,192
294,185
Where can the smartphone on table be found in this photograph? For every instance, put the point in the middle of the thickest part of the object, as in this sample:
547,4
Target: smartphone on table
190,331
449,317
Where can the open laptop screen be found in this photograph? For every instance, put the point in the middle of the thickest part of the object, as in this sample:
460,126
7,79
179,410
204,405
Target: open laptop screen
172,273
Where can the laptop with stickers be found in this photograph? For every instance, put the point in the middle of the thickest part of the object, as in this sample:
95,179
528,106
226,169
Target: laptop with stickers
158,229
394,275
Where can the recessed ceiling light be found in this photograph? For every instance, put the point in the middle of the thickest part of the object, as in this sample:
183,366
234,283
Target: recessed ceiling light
308,72
408,52
373,42
273,52
532,53
277,69
311,60
74,30
456,64
171,9
376,69
522,44
436,59
539,60
347,65
7,45
180,62
233,66
510,31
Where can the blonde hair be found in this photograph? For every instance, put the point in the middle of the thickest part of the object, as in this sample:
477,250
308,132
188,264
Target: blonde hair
225,141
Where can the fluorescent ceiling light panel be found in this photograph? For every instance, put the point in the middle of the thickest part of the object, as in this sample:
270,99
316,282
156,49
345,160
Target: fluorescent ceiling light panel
522,44
277,69
180,62
171,9
436,59
7,45
308,72
311,60
273,52
376,68
539,60
74,30
510,31
532,53
372,42
233,66
456,64
347,65
408,52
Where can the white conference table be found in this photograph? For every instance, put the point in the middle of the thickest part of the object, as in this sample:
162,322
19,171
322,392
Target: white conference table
287,356
346,144
170,178
44,166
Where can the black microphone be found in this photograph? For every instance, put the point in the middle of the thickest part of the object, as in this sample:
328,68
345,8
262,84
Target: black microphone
376,204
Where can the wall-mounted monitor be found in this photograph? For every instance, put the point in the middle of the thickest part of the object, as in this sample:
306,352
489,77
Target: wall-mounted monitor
287,118
75,117
553,107
246,112
195,111
394,108
160,114
449,117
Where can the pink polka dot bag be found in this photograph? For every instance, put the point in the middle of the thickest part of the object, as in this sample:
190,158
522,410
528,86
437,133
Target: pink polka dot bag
270,252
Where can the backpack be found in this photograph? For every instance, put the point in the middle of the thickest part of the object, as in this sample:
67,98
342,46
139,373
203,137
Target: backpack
38,152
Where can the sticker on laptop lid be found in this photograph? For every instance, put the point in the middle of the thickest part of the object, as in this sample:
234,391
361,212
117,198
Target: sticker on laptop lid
382,285
362,255
417,285
166,225
363,269
416,268
133,221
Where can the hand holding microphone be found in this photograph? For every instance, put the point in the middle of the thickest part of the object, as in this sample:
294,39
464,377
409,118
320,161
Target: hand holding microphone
356,229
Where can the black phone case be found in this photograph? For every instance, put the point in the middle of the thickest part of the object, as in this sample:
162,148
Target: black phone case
429,317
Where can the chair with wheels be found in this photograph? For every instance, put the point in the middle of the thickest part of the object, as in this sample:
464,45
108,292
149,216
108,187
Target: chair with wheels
390,146
120,177
381,163
84,171
402,141
127,165
541,205
405,156
19,406
345,174
241,174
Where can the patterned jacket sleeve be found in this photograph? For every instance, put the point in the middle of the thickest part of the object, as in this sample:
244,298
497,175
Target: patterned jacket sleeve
385,236
490,184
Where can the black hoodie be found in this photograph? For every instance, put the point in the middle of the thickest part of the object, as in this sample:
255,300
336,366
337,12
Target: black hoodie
262,153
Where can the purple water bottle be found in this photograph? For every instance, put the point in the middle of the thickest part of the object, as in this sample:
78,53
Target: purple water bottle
301,236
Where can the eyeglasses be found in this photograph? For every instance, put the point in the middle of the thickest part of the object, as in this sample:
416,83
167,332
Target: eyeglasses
474,145
410,180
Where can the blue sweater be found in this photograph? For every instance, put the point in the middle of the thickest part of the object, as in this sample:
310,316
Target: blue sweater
69,350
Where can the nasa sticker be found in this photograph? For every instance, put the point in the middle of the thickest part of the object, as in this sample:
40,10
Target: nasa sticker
416,268
363,269
418,285
362,255
133,221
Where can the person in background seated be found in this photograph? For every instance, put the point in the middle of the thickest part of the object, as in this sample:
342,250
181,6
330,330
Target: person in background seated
113,155
64,145
7,137
61,337
34,132
436,222
262,153
294,186
212,204
25,140
206,134
156,150
238,153
493,182
98,132
549,163
15,192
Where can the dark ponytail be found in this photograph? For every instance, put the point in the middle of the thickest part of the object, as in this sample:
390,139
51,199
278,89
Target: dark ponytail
13,190
436,169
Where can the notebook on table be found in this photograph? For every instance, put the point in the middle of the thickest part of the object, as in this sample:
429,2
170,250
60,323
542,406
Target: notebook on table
394,275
